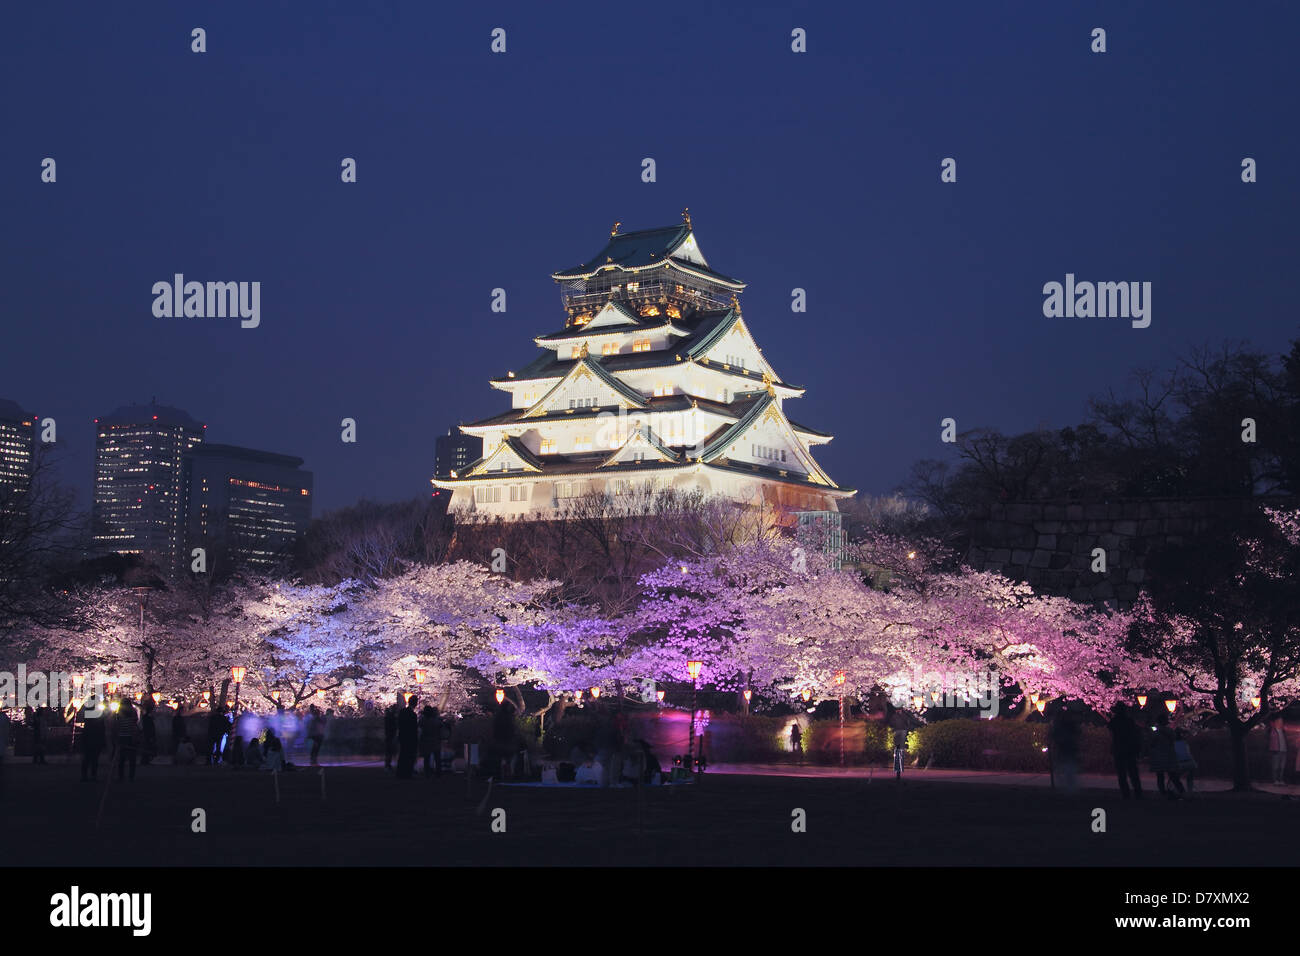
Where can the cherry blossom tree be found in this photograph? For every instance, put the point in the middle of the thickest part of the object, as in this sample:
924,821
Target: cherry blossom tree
1223,615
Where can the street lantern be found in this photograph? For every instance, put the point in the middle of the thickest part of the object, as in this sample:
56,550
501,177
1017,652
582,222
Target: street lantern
238,674
1172,705
685,570
806,694
1142,700
139,695
595,693
500,695
1040,704
916,701
406,697
110,687
749,695
420,674
157,697
1255,702
275,696
660,695
693,668
320,694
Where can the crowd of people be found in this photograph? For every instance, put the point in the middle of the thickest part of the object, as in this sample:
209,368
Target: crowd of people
1169,755
126,732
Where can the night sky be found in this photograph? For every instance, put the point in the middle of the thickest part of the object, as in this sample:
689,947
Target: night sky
477,170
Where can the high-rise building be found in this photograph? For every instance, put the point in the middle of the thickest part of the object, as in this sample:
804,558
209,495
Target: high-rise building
17,449
454,451
17,464
655,382
139,500
249,506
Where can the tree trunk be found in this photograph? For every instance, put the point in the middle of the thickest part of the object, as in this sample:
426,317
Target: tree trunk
1240,767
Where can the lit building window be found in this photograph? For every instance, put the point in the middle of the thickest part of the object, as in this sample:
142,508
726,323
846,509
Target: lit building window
548,446
582,443
609,348
641,345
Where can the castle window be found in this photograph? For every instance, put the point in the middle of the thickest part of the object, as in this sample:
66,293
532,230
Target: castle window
582,443
548,446
609,348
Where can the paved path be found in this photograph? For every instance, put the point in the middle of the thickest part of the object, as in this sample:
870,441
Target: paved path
1087,781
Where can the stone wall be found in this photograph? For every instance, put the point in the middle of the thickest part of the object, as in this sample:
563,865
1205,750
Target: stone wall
1049,544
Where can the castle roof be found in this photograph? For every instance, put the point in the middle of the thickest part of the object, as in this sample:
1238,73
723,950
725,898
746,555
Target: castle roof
649,249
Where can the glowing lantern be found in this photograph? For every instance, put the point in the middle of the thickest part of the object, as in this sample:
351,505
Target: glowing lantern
207,695
595,693
1255,701
693,668
238,674
406,697
275,695
500,695
156,697
320,695
660,695
839,677
139,695
806,694
1041,705
916,701
1142,700
749,695
1172,705
111,687
420,675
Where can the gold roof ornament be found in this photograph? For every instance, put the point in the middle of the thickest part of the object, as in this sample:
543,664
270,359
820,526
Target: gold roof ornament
735,303
583,352
686,216
614,232
768,384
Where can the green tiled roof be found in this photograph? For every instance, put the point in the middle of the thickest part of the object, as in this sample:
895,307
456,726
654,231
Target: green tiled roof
636,250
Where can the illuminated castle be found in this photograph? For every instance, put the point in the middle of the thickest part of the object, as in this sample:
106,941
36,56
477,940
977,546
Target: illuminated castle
655,382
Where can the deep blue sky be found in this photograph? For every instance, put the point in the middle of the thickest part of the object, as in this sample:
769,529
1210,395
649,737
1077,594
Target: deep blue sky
478,170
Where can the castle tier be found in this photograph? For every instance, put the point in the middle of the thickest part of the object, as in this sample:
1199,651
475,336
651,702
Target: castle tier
654,382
